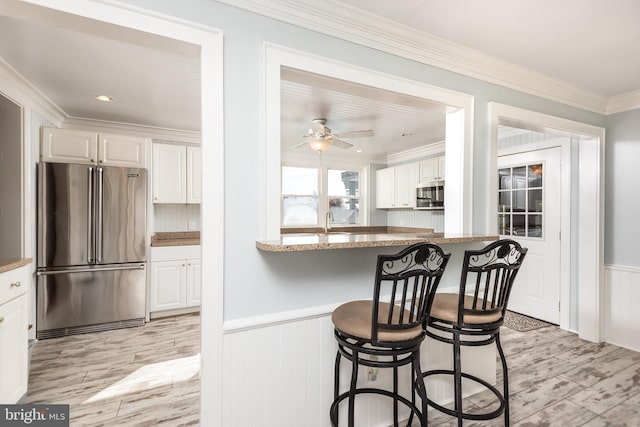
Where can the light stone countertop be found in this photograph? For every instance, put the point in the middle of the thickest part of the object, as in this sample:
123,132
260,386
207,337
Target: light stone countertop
176,238
342,240
12,264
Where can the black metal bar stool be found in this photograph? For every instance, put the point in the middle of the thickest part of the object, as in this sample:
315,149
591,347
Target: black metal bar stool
473,317
387,331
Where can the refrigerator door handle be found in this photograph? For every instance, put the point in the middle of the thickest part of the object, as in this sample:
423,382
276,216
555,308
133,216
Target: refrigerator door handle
42,272
99,215
90,225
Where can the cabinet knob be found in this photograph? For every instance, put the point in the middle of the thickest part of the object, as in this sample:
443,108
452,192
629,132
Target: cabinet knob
93,160
101,161
1,319
16,284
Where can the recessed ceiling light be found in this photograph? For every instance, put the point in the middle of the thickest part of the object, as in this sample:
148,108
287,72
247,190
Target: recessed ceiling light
104,98
358,151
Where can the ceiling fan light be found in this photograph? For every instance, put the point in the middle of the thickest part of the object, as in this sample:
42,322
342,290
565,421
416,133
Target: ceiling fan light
319,144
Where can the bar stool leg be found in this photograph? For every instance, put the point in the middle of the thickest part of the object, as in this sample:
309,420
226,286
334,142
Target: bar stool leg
336,381
457,370
505,380
352,389
395,393
421,388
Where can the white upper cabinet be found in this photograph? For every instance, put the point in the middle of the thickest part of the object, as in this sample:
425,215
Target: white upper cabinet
396,187
432,169
385,188
73,146
121,150
176,172
194,174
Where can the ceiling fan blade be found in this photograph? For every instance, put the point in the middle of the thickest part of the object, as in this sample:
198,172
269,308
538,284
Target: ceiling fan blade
305,142
354,134
340,143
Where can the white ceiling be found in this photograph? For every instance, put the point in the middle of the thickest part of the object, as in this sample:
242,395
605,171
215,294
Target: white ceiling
156,82
591,44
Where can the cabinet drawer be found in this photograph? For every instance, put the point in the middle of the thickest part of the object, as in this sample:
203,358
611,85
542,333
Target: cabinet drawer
14,283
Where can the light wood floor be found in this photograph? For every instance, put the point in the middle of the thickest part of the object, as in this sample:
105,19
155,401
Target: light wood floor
150,376
145,376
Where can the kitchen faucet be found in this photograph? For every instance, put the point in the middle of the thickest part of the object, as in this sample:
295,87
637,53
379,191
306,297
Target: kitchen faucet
328,218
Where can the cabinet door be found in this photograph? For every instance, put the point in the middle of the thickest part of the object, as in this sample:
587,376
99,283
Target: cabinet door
169,175
194,282
441,168
121,150
194,175
429,170
168,285
405,185
14,356
385,188
68,146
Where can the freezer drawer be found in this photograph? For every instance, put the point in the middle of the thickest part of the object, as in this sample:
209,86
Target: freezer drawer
89,296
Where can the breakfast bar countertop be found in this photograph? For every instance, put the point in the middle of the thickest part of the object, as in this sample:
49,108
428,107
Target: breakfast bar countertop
353,239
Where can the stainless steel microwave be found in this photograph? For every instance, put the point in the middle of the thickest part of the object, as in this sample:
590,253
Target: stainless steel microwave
430,195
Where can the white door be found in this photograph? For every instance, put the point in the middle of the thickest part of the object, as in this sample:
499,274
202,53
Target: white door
529,200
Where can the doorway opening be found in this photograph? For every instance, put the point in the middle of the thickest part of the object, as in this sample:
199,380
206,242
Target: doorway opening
527,137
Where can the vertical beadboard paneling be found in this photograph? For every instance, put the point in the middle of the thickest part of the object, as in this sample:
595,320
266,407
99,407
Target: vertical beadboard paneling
621,314
416,219
282,375
176,217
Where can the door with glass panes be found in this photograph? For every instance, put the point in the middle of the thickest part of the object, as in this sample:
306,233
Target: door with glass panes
529,196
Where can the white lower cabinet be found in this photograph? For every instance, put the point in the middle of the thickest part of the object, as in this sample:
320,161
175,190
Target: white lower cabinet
175,278
14,335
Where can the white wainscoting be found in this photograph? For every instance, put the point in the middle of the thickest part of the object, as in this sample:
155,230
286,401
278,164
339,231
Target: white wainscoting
621,314
281,373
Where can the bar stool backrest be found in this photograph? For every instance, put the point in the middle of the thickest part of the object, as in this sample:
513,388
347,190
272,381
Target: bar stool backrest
487,278
404,289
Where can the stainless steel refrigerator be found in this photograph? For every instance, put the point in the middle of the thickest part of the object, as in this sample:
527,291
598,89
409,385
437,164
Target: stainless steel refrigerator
91,248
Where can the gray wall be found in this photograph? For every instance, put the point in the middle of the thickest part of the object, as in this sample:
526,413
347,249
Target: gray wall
258,282
622,154
10,179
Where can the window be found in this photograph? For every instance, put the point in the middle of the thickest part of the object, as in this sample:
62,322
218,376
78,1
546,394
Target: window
520,201
344,200
309,193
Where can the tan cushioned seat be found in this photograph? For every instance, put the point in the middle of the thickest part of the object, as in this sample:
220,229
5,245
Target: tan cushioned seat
445,307
354,318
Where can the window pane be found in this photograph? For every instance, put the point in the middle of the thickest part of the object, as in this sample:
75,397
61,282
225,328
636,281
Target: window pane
504,225
519,200
535,175
535,226
504,179
299,180
343,183
520,177
345,211
504,202
299,211
519,227
535,200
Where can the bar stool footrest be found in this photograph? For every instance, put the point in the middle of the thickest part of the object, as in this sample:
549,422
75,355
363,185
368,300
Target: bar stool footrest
466,415
333,411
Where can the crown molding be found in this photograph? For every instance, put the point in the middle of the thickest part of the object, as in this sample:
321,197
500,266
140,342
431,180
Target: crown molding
624,102
21,91
417,153
132,129
343,21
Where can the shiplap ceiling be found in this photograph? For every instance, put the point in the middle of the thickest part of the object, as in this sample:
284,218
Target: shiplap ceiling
399,122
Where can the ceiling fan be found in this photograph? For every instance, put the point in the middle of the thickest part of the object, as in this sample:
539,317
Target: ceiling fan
319,137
